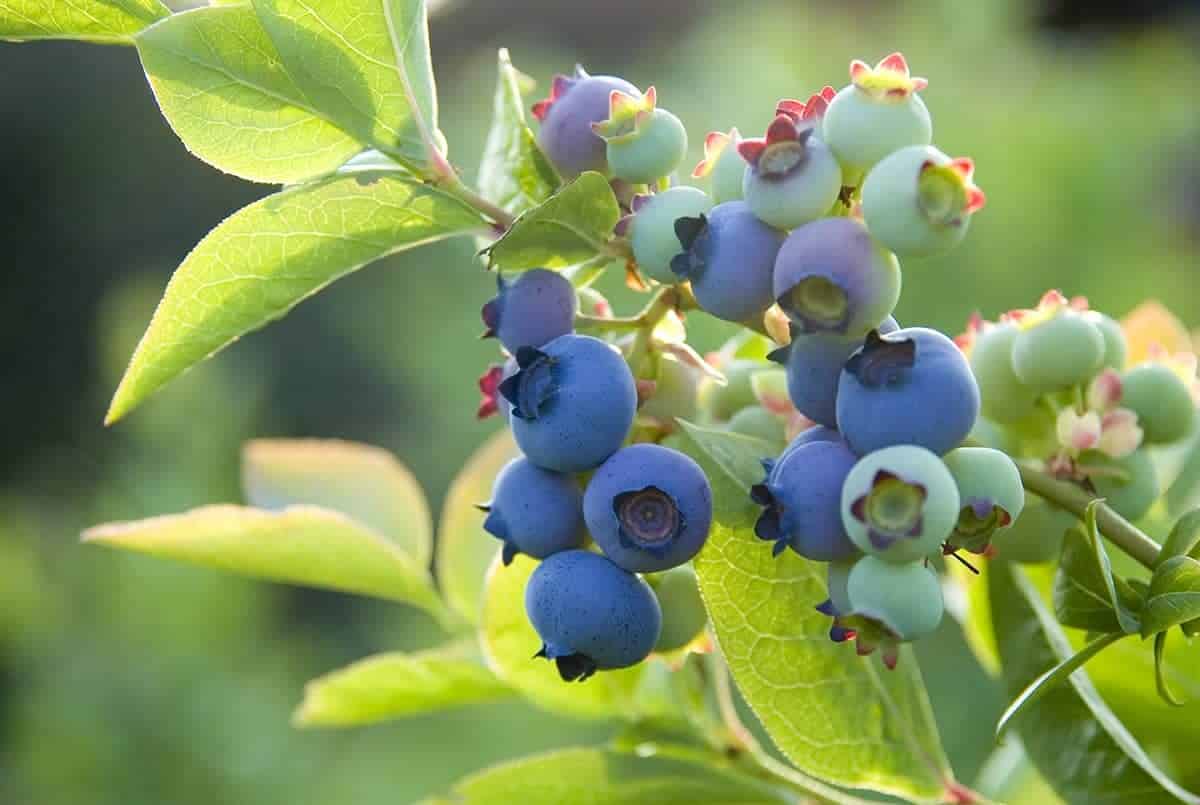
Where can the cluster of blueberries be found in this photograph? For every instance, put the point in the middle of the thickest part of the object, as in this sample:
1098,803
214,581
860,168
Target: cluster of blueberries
805,223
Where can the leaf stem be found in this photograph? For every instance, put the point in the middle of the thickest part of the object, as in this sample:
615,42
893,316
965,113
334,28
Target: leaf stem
448,180
1119,531
663,301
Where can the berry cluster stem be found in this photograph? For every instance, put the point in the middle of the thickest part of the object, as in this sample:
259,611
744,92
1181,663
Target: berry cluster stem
663,302
446,179
1119,531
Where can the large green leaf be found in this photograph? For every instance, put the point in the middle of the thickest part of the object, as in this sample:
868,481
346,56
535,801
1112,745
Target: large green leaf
395,685
358,480
1077,743
514,172
264,259
1086,595
465,550
220,84
835,715
509,644
607,777
304,545
573,225
1174,595
100,21
364,64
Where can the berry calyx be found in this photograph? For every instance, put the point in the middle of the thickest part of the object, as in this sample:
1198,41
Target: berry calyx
567,115
782,152
643,141
888,79
722,165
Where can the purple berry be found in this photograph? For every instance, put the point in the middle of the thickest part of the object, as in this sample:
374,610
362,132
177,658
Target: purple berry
729,256
649,508
575,103
831,277
590,614
535,308
802,501
534,511
911,387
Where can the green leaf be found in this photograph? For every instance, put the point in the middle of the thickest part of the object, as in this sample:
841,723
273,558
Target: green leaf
835,715
1086,595
465,550
572,226
1054,676
363,482
364,64
1077,743
1160,672
220,84
105,22
1174,595
395,685
607,777
1184,536
267,257
514,173
304,545
509,643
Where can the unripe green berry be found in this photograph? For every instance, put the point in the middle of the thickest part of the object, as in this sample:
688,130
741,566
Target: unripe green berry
1162,401
683,614
990,493
652,231
1005,399
1116,349
1130,498
655,150
718,403
837,580
906,598
1057,352
675,393
756,421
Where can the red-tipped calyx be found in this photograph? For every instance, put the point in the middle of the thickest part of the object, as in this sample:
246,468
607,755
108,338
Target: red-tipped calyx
626,115
715,144
889,79
783,149
558,88
489,391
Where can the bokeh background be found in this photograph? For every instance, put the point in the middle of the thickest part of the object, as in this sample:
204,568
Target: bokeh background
128,680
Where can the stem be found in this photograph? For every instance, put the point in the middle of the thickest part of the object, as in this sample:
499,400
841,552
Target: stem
664,301
447,179
1119,531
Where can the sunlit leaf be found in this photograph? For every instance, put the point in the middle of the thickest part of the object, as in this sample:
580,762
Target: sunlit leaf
106,22
1086,594
1174,595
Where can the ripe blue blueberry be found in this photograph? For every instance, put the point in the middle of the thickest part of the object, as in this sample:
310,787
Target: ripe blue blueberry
801,500
590,614
729,257
918,202
575,103
990,494
572,403
537,307
817,433
723,165
913,387
900,503
878,113
792,177
683,614
534,511
649,508
652,229
814,364
831,277
643,142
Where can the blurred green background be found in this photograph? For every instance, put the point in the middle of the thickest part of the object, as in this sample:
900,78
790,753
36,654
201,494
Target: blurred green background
128,680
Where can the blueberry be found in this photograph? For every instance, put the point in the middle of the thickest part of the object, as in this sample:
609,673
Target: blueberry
535,511
831,277
575,103
990,494
683,614
801,500
729,257
590,614
814,364
572,403
817,433
643,142
1037,535
652,230
723,165
537,307
918,201
649,508
1004,398
1116,349
1162,401
676,386
759,423
792,178
836,581
1056,348
913,387
1132,494
905,598
878,113
900,503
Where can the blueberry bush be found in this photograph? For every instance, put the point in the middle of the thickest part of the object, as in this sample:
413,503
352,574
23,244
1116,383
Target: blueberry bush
670,534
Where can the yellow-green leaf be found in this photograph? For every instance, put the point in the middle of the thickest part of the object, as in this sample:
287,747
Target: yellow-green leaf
364,482
105,22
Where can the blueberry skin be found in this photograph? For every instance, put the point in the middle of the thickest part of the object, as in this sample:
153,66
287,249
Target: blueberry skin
535,308
831,277
652,231
588,415
910,387
817,433
805,512
535,511
681,510
591,614
731,263
814,366
566,134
